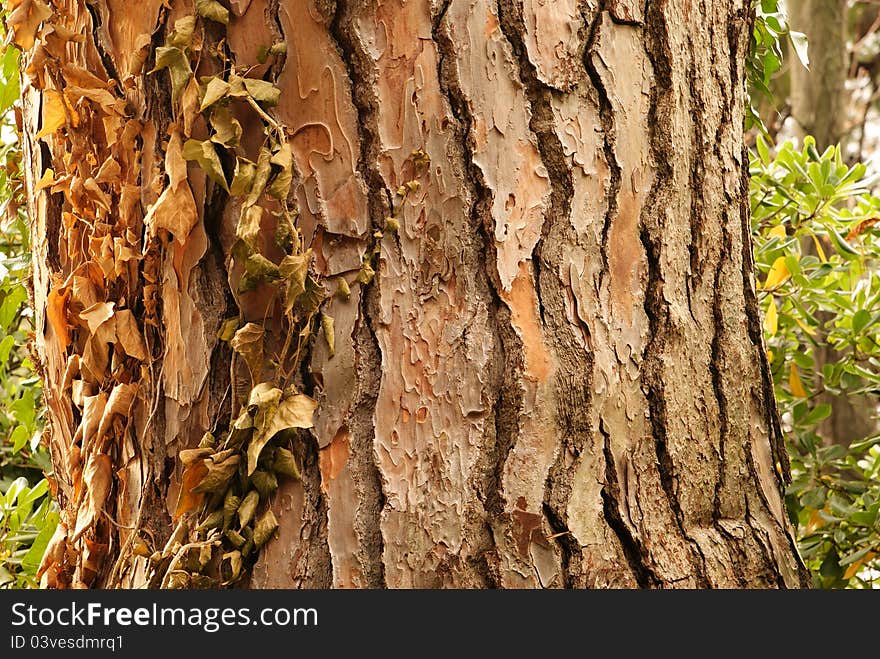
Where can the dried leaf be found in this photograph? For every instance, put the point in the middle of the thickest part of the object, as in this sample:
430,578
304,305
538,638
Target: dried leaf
24,19
182,34
248,342
190,455
227,329
283,160
327,327
259,267
177,63
248,229
96,315
216,89
204,153
262,91
227,128
261,177
97,476
54,113
284,463
230,506
230,567
295,411
212,10
247,508
129,335
219,474
264,528
295,268
243,178
265,481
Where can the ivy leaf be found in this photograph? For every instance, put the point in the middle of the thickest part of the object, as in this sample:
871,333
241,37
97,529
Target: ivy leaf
327,327
294,268
205,154
283,159
261,176
214,91
182,34
227,128
262,91
274,414
248,342
177,63
248,229
243,178
259,267
212,10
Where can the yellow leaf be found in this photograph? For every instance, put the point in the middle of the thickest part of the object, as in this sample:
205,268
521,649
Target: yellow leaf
778,231
47,180
778,273
819,250
855,567
804,327
794,381
771,320
54,115
815,522
770,356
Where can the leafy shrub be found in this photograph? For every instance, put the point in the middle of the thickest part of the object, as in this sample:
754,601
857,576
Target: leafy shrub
27,514
817,254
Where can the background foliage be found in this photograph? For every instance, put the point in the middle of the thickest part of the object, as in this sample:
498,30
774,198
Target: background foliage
27,514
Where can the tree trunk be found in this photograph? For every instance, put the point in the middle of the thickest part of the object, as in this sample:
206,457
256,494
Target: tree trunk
819,102
556,377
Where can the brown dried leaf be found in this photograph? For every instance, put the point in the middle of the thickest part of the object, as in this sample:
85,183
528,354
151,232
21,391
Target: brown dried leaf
119,404
248,342
96,315
188,500
56,314
24,19
295,411
129,335
98,477
54,113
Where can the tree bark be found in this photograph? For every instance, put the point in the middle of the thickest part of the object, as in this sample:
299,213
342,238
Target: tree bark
556,377
819,102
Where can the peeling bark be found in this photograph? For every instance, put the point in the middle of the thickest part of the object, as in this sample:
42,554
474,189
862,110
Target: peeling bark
556,377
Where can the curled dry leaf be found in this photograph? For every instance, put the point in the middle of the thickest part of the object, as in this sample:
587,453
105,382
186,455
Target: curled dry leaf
118,404
97,477
54,553
189,500
96,315
24,19
248,342
54,113
129,335
175,209
294,411
56,314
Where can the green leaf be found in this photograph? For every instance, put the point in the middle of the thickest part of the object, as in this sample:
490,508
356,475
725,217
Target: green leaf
18,438
860,320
